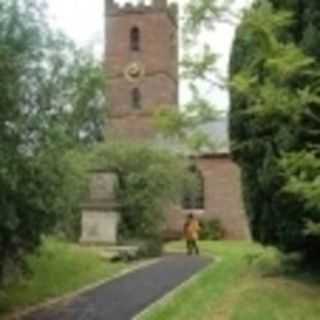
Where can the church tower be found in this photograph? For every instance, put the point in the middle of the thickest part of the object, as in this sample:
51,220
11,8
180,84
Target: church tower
141,58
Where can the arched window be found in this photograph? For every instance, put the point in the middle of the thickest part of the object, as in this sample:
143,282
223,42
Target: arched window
136,99
195,200
135,39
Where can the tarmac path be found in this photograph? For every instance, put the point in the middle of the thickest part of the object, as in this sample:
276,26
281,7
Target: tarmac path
125,297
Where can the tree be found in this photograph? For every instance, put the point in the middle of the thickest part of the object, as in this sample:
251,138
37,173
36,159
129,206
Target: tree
274,117
151,179
272,100
51,103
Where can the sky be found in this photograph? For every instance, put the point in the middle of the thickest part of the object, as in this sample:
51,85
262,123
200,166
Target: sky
83,21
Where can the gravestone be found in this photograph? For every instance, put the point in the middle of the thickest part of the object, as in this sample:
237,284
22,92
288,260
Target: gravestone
99,213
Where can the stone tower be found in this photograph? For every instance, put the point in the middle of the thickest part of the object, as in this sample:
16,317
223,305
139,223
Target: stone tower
141,58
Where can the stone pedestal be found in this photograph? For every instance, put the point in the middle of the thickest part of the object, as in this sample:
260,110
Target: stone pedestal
99,213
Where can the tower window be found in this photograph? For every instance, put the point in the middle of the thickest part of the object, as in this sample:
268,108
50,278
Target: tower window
135,39
136,99
194,200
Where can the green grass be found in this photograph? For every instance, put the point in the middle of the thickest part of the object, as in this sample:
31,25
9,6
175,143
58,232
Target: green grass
60,268
247,284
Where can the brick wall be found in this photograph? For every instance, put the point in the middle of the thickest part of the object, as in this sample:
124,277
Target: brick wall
159,46
158,57
223,198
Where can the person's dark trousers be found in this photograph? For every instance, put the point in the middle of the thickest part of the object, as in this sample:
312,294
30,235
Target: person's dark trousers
192,246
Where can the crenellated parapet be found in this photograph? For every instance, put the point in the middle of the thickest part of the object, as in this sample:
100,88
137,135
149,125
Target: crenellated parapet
113,8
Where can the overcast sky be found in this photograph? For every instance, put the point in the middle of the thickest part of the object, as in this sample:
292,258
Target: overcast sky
82,20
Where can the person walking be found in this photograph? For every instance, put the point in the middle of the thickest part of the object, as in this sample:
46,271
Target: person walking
191,233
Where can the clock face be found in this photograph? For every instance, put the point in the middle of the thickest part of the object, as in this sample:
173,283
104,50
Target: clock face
134,72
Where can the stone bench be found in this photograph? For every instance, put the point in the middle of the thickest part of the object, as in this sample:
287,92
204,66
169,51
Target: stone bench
121,253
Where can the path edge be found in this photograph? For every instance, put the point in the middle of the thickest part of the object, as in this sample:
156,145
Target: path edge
171,294
68,297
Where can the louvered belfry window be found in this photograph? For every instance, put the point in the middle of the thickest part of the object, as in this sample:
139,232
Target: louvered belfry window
135,39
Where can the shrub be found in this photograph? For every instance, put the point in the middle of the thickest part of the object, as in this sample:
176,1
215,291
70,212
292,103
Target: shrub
150,248
211,230
150,180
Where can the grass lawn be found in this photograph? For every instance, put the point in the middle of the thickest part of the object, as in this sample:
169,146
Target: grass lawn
60,268
246,284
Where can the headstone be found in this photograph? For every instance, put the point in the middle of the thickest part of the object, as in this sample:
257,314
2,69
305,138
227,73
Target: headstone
99,214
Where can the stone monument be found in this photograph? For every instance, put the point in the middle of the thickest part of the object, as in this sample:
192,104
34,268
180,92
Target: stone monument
99,213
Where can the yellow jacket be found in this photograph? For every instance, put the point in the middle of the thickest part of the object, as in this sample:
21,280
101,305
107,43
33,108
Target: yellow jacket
191,230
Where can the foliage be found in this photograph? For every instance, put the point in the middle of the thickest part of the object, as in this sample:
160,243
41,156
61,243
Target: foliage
274,116
185,127
51,101
302,170
312,229
72,172
205,14
273,96
57,269
151,247
211,230
150,180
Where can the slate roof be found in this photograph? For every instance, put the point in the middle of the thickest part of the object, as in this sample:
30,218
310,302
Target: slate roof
218,133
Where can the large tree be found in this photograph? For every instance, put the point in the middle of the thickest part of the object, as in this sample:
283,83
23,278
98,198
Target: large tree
274,114
51,102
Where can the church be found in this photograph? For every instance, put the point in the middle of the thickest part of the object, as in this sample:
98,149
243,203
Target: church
142,64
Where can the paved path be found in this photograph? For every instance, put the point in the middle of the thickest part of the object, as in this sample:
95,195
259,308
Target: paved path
123,298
